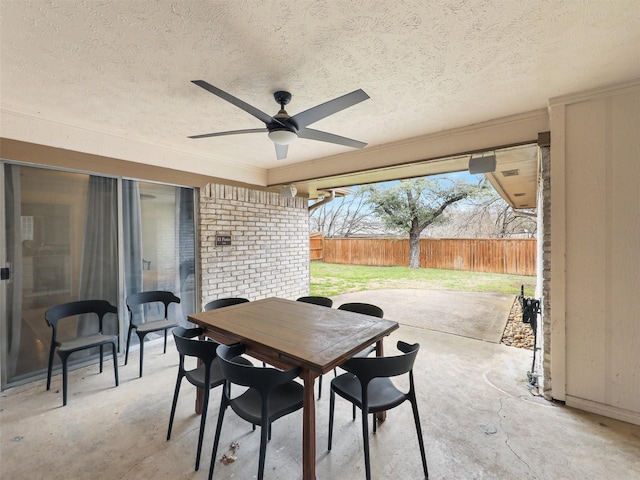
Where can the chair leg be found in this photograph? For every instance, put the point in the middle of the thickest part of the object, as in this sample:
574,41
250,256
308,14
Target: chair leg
375,423
141,337
101,356
319,387
49,370
264,433
126,355
203,422
64,379
416,417
216,441
365,439
332,403
165,341
114,352
173,404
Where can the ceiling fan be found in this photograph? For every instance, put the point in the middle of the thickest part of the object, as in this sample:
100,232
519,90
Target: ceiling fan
282,128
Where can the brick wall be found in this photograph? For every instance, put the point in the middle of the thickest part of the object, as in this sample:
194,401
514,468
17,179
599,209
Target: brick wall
269,251
545,155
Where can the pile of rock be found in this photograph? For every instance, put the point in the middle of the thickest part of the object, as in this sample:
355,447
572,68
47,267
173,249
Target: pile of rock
516,333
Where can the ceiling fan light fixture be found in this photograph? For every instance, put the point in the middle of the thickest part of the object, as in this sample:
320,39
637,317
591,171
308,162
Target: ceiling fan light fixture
282,136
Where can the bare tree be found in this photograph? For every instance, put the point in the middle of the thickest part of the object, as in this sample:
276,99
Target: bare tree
483,214
345,217
488,216
413,205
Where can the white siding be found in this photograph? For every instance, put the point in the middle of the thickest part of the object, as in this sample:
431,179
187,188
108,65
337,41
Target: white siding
599,197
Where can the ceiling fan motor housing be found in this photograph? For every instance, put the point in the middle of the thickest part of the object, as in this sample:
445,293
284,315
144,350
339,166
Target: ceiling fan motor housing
284,131
282,98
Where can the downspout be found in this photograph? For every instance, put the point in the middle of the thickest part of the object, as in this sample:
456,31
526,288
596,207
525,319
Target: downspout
330,198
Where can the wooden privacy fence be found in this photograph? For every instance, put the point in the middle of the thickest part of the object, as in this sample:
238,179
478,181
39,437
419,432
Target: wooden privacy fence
513,256
316,241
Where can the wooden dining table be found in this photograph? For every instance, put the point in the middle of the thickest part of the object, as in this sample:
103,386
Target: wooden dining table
286,334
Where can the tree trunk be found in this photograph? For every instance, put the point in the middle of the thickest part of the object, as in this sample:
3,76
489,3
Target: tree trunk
414,249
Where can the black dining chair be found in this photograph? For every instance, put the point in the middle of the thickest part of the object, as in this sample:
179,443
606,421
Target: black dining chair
224,302
365,309
324,302
316,300
66,347
271,394
368,386
143,326
206,375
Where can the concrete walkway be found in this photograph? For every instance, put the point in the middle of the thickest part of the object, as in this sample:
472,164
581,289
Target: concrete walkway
482,316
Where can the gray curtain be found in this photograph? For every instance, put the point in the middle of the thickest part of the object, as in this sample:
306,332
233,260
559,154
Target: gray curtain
99,268
186,252
14,255
132,235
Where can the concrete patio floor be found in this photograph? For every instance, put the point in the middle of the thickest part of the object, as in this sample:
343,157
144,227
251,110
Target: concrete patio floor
479,420
482,316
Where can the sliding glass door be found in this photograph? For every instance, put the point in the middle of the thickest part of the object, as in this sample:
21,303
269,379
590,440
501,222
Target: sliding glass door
159,245
68,236
61,245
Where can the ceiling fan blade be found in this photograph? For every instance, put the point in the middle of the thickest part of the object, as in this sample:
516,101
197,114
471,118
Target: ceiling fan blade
323,110
281,151
259,114
232,132
311,134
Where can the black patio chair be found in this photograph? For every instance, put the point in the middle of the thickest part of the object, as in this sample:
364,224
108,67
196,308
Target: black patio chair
365,309
224,302
65,348
316,300
206,375
324,302
271,394
368,386
135,305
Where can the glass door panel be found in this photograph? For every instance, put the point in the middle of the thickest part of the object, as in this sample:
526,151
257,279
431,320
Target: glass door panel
61,246
159,240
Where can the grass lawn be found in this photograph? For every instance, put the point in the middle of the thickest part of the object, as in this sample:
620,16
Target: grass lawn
328,279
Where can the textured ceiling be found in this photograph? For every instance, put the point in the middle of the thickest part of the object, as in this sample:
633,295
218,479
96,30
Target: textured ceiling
123,68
